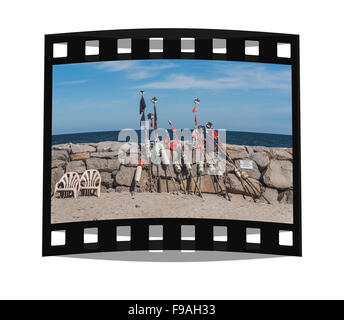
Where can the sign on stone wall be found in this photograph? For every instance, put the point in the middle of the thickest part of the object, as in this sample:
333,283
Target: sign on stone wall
246,164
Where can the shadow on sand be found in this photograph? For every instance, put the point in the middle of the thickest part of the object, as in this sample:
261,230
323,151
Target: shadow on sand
172,256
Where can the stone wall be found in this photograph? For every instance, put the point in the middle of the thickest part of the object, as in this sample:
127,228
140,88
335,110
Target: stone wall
272,171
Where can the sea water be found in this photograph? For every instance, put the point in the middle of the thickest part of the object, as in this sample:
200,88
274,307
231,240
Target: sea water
232,137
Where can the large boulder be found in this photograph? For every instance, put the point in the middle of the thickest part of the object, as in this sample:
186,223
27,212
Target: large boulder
279,174
107,165
128,146
271,195
107,180
261,159
57,163
237,152
230,166
59,155
286,197
125,176
128,154
56,175
260,149
235,186
109,146
65,146
104,155
281,154
250,150
80,148
80,156
113,173
252,173
76,166
235,148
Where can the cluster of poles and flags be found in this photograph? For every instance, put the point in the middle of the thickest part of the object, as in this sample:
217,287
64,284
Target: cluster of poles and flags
157,150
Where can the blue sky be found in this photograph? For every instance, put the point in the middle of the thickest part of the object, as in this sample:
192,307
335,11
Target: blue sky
237,96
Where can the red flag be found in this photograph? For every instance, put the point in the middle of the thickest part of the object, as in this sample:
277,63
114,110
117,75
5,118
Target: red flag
174,144
173,129
142,162
152,125
167,139
194,110
215,134
199,145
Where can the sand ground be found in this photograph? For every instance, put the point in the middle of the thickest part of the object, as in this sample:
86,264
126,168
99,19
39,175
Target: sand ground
122,205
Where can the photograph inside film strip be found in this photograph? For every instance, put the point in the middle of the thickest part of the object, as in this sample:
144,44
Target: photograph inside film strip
165,138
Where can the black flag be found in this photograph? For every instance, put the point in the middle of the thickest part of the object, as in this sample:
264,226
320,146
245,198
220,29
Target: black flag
155,118
142,108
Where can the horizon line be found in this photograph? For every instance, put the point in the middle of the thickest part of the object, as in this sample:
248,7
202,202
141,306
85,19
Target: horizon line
126,129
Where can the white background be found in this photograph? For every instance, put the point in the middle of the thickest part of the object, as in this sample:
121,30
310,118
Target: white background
25,274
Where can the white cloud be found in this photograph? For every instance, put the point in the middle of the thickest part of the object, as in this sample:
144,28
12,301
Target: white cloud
114,66
180,81
229,78
62,83
135,70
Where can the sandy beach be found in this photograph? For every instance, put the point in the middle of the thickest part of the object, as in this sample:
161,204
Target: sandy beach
121,205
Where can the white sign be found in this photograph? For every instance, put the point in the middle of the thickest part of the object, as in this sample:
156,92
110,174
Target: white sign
246,164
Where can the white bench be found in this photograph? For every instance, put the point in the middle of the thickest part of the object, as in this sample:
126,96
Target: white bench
69,183
90,181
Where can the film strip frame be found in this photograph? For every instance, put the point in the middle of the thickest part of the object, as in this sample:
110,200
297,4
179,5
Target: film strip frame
204,228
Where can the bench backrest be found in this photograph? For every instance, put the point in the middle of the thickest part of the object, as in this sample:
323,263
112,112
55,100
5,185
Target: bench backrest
70,180
90,178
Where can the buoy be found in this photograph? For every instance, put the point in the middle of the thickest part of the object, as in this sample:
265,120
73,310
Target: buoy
164,158
138,174
155,155
244,175
237,172
188,166
177,167
211,167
